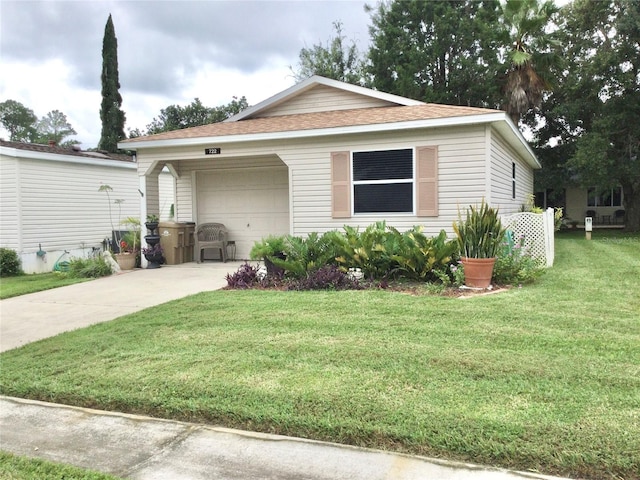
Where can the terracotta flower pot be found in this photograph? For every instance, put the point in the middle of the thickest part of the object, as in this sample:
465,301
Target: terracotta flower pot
478,271
126,261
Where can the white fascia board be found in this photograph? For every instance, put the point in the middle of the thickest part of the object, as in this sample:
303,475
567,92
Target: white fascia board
509,130
52,157
321,132
318,80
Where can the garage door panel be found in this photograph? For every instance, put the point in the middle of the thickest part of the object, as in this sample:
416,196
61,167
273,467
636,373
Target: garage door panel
252,203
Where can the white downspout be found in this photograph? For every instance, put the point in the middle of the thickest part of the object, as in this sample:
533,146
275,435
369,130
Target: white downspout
142,182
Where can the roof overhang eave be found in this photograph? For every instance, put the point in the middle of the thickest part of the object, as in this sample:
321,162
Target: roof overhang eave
498,119
60,157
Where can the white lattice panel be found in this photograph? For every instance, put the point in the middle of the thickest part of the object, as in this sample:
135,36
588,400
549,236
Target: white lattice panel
531,226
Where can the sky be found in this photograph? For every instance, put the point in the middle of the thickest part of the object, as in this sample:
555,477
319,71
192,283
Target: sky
169,52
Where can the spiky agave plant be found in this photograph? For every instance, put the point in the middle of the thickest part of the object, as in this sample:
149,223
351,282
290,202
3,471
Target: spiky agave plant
480,233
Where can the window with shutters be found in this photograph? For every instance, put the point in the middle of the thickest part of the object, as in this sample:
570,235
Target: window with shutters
403,181
383,181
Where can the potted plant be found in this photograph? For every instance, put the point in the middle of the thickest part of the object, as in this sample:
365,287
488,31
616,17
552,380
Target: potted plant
129,245
126,258
154,255
152,222
479,237
267,249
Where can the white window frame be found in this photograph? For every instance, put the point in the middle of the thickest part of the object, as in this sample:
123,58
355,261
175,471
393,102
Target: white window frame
414,200
598,197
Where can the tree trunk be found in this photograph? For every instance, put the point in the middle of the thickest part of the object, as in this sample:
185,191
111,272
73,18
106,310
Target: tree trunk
631,207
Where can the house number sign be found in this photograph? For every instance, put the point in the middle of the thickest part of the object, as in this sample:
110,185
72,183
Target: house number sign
213,151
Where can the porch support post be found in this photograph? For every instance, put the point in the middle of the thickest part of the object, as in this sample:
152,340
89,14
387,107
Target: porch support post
150,203
142,182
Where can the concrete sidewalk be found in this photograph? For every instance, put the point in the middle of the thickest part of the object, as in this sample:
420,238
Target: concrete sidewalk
32,317
142,448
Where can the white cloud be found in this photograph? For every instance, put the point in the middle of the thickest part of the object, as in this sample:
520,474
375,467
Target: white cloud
169,52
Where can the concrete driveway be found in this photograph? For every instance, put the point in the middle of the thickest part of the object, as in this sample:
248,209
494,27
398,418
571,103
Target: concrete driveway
40,315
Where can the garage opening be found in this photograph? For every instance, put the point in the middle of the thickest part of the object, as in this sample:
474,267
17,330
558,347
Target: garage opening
251,202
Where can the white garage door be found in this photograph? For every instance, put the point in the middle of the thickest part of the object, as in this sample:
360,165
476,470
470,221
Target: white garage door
252,202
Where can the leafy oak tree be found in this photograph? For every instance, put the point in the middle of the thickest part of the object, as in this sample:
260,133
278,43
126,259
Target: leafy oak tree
606,51
18,120
176,117
434,51
23,125
334,60
112,116
593,115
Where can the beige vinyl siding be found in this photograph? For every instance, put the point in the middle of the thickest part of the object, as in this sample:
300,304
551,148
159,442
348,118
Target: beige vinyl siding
61,207
464,155
576,204
9,203
322,98
54,203
502,157
461,162
166,187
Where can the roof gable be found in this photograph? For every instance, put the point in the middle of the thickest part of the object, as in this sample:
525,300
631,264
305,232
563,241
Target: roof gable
315,108
319,94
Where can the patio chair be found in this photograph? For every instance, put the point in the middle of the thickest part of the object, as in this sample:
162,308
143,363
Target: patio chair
211,235
618,215
592,214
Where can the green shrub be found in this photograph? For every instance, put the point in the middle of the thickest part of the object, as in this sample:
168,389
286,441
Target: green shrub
514,265
89,268
10,264
380,252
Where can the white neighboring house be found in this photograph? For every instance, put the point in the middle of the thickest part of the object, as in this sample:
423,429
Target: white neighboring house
50,200
324,154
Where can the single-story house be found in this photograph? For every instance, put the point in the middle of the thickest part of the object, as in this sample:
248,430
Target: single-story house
50,200
324,154
605,207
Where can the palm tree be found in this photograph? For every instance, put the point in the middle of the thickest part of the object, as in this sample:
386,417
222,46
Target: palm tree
531,54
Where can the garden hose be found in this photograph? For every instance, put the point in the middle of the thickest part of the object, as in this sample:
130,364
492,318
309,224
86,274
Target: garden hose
61,265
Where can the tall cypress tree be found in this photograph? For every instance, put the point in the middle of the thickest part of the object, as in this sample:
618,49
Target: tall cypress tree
112,117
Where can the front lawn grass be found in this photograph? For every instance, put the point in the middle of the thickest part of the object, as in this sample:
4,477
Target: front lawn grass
13,467
23,284
544,378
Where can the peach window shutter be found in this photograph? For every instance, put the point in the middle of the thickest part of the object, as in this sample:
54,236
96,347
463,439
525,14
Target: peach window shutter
340,185
427,166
